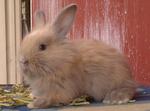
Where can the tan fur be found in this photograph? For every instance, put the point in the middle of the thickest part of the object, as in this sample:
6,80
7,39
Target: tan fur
70,68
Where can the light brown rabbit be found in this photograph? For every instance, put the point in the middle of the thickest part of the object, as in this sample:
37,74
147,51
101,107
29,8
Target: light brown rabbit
58,70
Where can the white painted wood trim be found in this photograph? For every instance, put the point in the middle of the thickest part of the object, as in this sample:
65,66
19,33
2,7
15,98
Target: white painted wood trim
3,60
10,37
18,36
11,40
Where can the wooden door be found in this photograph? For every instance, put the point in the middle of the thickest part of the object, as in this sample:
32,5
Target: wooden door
124,24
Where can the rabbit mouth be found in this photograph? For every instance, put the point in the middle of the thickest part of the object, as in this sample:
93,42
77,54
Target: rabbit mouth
24,68
36,66
38,69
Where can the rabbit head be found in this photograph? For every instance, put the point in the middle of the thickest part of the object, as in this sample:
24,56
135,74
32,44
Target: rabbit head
43,46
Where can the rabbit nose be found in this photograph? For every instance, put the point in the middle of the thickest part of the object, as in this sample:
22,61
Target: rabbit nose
24,61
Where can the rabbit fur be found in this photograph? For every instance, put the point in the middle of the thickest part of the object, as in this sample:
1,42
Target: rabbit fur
59,70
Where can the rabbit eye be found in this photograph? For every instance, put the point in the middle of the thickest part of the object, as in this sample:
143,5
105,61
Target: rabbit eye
42,47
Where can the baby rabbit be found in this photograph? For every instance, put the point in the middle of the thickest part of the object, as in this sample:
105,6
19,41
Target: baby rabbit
59,70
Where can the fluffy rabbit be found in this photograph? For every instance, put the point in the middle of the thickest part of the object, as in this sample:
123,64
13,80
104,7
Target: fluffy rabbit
59,70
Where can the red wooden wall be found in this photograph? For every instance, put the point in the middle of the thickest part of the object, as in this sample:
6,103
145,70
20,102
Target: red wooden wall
124,24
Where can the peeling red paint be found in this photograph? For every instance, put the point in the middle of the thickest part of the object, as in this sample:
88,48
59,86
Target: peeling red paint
124,24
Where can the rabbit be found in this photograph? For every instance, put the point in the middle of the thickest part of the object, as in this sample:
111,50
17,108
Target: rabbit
59,70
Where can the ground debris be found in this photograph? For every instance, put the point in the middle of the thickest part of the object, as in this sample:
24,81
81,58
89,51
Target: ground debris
14,96
18,95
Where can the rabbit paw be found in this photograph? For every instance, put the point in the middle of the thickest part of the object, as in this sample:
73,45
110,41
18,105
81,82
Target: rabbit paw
31,106
38,103
119,96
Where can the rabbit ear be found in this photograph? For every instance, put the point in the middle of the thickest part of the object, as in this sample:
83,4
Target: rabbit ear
64,20
39,19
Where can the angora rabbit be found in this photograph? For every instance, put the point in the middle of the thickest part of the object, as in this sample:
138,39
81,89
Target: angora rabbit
58,70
